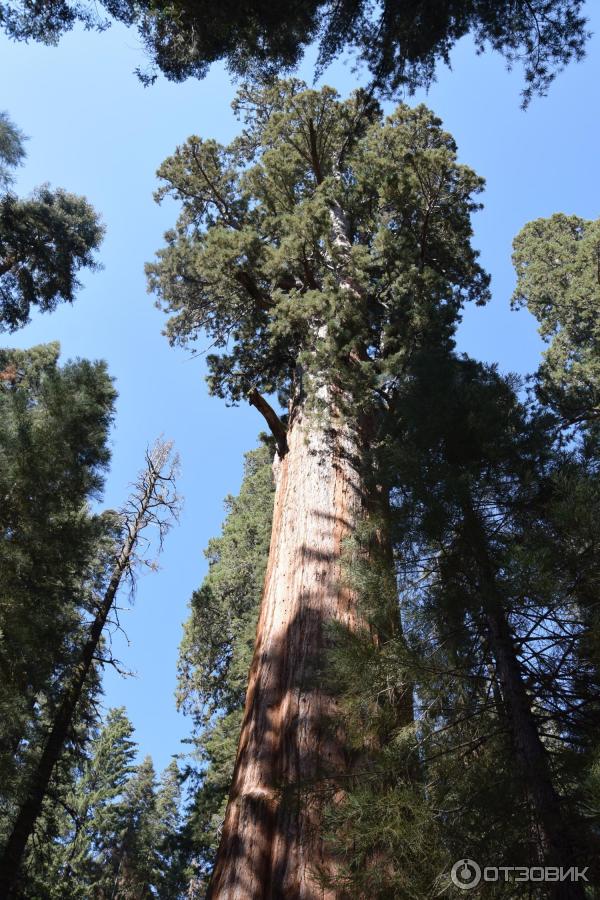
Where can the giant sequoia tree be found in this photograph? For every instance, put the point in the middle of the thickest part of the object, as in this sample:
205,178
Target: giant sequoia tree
399,42
319,251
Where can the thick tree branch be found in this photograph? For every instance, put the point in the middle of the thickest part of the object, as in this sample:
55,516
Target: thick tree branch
261,298
314,152
276,426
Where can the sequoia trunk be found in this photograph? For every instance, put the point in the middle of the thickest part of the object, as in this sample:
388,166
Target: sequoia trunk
271,846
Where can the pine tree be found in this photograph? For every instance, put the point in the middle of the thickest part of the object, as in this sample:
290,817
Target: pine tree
168,845
73,863
146,861
558,279
99,803
44,240
319,251
399,43
134,862
54,424
120,830
491,514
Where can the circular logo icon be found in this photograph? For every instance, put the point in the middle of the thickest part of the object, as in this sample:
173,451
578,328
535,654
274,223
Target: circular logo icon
465,874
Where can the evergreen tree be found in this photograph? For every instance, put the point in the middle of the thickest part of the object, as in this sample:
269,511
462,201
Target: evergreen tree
100,805
319,251
44,240
12,151
491,513
118,830
93,817
134,859
145,862
216,649
168,845
400,43
120,836
54,425
558,279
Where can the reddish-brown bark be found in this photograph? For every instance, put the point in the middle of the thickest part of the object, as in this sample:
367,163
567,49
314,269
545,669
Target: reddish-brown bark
271,846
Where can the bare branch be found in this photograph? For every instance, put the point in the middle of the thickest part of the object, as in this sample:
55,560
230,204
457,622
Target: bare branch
276,426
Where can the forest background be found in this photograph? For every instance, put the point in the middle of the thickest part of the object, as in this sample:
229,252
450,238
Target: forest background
96,130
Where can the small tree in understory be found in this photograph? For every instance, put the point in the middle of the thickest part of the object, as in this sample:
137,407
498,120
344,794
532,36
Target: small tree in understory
320,251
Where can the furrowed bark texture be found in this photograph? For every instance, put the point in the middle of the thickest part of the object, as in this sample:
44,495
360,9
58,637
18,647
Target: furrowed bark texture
270,845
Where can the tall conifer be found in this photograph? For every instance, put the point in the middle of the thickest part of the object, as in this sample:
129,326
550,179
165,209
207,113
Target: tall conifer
319,251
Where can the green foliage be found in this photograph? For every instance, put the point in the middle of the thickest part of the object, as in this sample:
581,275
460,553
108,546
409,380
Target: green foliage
451,786
400,44
12,151
316,196
54,424
168,845
558,279
68,861
217,645
44,241
115,831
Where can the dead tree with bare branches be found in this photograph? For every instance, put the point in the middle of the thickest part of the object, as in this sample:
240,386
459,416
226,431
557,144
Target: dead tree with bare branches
153,504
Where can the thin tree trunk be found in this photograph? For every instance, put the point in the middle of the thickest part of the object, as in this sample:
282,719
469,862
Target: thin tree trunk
558,843
32,805
29,811
271,845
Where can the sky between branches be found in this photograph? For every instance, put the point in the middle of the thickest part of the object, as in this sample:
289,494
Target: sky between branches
96,131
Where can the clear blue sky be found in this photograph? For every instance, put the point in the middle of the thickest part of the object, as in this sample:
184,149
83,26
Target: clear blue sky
95,130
